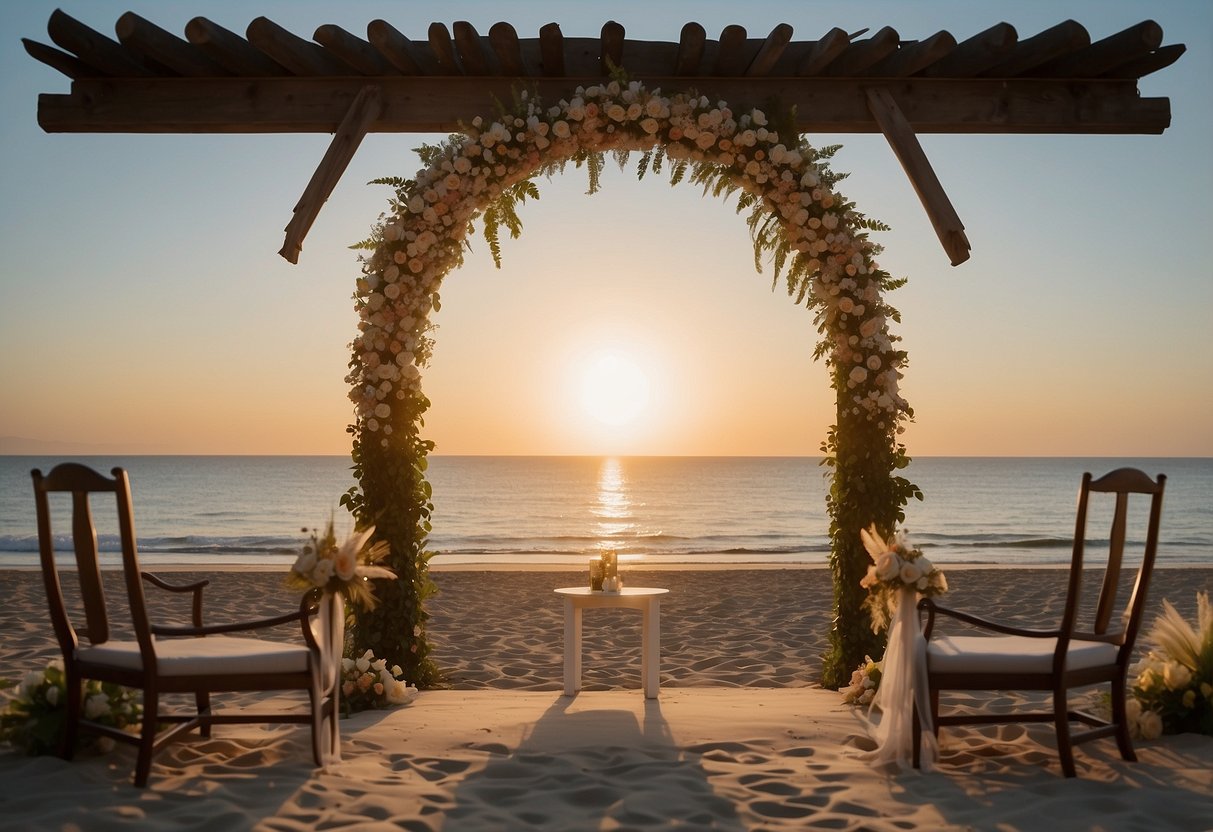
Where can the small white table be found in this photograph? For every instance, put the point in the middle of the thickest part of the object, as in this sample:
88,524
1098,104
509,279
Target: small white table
645,599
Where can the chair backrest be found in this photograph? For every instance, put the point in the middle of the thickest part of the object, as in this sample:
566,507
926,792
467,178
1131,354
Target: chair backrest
80,482
1116,487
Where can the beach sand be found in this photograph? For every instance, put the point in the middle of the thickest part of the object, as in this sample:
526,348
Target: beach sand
742,736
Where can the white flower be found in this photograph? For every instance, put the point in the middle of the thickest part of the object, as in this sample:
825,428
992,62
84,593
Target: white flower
909,573
1176,676
888,565
1150,725
306,562
52,695
96,705
399,693
322,572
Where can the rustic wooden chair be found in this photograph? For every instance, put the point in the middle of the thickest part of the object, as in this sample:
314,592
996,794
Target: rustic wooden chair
1089,646
162,660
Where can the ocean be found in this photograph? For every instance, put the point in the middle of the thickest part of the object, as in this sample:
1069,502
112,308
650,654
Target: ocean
239,510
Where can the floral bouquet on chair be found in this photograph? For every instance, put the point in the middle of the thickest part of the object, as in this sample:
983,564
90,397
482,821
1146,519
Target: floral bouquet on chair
345,568
896,566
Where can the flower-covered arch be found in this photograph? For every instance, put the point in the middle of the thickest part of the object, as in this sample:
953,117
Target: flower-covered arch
814,236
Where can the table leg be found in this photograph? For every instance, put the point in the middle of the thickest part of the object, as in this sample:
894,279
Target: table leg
572,647
650,638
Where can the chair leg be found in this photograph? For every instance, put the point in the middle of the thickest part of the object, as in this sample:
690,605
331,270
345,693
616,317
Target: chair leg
1061,717
1121,719
75,703
203,700
147,737
916,738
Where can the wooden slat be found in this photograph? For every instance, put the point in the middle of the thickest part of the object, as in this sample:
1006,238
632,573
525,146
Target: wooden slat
230,50
976,54
429,104
690,49
862,54
913,57
611,54
824,52
731,57
93,48
909,152
296,54
551,50
771,49
504,40
1105,54
1158,59
92,592
353,128
353,50
393,46
1116,552
443,48
1062,39
144,38
472,55
69,65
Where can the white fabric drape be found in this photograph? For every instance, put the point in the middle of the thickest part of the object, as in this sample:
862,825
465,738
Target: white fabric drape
903,682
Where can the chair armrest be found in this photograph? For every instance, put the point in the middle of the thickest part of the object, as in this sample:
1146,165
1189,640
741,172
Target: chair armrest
309,605
933,608
231,627
195,588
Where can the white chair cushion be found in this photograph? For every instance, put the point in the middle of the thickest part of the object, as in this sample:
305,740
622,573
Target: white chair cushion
213,655
1011,654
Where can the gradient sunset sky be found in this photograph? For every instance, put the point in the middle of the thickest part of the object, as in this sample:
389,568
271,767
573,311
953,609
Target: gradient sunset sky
144,308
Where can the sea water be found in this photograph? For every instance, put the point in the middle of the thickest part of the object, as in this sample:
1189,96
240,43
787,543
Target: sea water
237,510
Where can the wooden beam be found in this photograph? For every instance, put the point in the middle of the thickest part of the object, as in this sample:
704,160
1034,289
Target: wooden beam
353,128
353,50
393,46
69,65
913,57
1062,39
690,49
1104,55
824,52
296,54
731,58
976,54
230,50
611,54
909,152
93,48
551,50
1143,66
771,49
437,104
472,54
504,40
862,54
443,49
149,40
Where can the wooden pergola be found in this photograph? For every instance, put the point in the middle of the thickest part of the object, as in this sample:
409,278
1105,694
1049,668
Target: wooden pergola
272,81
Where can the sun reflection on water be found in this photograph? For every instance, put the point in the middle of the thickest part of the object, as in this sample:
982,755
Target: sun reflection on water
614,506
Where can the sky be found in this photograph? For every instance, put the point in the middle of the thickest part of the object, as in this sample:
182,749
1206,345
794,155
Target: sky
144,307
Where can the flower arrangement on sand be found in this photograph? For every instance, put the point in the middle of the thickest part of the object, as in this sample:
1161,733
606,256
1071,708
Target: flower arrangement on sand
345,568
1173,692
33,721
367,683
865,681
896,566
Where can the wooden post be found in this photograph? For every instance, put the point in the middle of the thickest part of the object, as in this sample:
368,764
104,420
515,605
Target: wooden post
357,122
904,142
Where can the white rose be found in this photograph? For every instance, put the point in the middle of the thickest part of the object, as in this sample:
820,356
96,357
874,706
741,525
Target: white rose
561,130
305,563
1150,725
1176,676
52,695
887,565
383,410
858,375
910,573
322,572
398,693
96,705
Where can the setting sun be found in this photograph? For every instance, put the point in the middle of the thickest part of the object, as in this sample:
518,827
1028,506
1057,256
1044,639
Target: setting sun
614,389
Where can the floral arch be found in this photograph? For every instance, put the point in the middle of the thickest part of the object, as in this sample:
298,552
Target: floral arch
814,236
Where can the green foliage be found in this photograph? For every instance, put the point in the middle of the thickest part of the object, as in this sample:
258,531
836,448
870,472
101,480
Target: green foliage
34,721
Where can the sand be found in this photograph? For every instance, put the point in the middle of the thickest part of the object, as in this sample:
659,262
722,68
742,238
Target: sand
742,736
